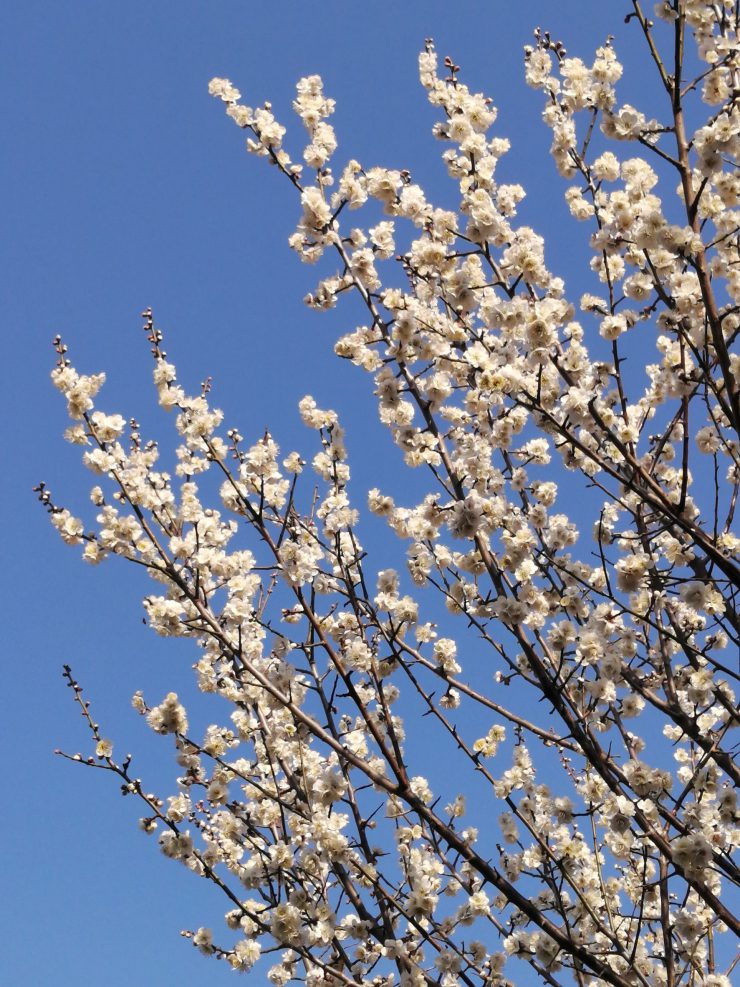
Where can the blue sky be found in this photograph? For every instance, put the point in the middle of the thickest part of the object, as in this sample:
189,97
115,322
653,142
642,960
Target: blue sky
127,187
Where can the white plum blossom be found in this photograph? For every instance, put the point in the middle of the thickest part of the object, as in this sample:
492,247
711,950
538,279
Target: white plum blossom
565,595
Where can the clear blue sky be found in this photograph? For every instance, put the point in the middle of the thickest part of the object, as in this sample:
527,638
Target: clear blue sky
125,186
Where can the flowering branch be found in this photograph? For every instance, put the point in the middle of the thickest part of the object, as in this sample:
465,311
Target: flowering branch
617,869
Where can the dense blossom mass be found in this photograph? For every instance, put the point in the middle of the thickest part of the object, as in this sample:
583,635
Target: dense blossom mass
597,646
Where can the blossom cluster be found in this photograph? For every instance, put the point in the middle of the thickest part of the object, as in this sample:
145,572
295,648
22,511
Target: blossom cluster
615,805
